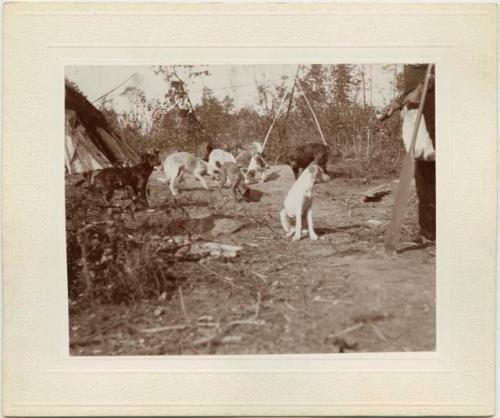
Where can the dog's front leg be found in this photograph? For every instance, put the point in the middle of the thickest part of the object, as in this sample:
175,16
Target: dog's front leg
222,180
201,180
310,227
172,187
144,196
298,223
284,222
173,178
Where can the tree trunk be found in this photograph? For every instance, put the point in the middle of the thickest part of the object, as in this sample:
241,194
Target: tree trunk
364,86
371,85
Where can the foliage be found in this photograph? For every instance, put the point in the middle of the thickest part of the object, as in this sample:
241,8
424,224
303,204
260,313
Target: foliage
339,95
108,257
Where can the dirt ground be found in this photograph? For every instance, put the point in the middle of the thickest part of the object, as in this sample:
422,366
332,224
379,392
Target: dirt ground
340,293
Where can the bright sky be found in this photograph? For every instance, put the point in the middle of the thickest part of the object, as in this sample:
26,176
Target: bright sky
236,81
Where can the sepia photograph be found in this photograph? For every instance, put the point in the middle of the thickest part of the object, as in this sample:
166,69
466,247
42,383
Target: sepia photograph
242,209
250,209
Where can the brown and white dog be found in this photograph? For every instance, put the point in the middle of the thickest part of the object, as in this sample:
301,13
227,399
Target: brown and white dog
298,203
256,169
232,172
219,156
176,165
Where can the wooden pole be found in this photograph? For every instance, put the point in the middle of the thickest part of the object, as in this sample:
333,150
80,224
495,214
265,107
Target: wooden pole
290,101
315,118
274,120
364,86
371,85
114,88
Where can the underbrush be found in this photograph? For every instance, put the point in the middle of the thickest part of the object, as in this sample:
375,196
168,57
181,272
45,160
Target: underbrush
112,258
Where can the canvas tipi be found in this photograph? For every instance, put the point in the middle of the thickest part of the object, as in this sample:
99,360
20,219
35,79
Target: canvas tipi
91,143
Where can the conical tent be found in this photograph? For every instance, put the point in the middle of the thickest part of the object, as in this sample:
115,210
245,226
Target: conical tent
91,143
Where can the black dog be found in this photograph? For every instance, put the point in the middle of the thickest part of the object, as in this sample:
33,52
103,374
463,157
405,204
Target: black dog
112,178
305,154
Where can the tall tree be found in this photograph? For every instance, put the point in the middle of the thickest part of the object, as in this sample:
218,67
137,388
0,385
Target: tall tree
342,77
178,96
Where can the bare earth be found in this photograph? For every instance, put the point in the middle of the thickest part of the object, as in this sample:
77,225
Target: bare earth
341,293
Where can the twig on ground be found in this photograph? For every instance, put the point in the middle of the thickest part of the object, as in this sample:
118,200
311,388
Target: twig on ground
377,332
260,276
75,342
347,330
304,298
226,279
183,306
377,193
257,307
217,338
160,329
208,324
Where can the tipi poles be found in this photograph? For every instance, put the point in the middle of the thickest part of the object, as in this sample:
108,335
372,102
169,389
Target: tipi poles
315,118
290,101
114,88
274,120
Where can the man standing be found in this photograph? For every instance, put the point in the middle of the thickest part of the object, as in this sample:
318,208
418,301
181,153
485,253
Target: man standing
425,165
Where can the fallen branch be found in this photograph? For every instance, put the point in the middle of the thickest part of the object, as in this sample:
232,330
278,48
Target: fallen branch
160,329
378,332
226,279
347,330
183,306
260,276
217,338
257,306
74,342
376,194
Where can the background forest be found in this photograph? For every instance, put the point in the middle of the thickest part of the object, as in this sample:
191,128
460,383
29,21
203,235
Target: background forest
341,96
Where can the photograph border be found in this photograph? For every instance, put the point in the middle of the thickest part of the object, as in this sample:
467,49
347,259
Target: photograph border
457,379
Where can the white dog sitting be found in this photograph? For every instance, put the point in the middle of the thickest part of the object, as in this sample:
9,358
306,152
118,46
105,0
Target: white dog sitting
177,164
298,203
